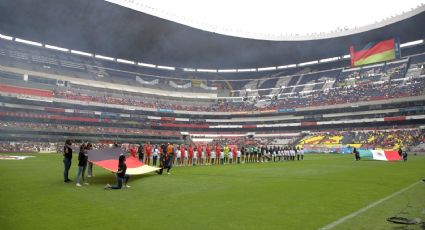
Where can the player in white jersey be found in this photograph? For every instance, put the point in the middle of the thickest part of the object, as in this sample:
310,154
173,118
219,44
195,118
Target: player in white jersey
203,158
213,158
195,158
280,153
302,153
298,152
286,154
292,153
178,157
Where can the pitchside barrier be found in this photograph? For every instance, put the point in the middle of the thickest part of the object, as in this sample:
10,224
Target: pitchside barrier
326,148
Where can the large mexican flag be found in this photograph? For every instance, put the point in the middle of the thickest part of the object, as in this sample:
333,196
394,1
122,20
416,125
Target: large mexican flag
381,155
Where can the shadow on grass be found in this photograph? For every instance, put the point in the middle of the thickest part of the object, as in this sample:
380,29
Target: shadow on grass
109,178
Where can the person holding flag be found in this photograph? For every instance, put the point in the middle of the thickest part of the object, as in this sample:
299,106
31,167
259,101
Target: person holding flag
122,177
166,158
155,155
356,154
82,164
67,157
89,163
170,157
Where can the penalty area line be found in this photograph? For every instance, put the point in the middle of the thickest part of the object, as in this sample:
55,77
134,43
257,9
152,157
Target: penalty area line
343,219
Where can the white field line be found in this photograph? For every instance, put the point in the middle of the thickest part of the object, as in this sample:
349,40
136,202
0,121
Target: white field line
337,222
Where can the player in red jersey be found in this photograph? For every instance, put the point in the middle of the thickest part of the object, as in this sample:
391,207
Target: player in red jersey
182,155
190,157
148,153
217,154
234,154
133,151
208,154
199,156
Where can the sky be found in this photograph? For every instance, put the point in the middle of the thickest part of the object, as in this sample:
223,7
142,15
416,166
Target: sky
273,17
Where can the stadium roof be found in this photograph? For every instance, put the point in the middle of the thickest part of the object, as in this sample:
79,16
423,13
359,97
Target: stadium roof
278,20
103,28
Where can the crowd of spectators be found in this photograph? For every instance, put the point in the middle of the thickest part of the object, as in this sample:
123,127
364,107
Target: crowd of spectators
339,94
257,141
384,139
375,139
27,147
352,94
85,129
387,139
127,101
40,147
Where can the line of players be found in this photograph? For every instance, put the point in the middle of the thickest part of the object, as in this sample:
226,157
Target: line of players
216,155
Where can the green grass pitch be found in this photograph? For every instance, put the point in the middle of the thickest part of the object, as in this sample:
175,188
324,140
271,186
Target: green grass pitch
305,194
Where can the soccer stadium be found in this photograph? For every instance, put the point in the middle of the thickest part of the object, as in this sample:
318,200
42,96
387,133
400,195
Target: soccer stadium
119,114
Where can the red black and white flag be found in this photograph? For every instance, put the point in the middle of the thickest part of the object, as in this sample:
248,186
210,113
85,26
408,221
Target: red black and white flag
108,159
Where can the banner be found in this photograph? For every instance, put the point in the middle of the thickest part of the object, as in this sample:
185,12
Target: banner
375,52
204,86
180,86
144,82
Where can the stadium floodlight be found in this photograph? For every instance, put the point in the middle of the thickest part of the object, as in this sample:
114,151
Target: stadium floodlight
81,53
412,43
266,68
104,57
146,65
126,61
165,67
227,70
2,36
28,42
246,70
189,70
56,48
286,66
207,70
308,63
329,59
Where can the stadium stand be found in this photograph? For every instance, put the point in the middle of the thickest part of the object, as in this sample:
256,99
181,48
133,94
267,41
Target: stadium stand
56,95
363,139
